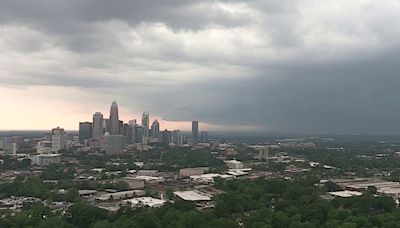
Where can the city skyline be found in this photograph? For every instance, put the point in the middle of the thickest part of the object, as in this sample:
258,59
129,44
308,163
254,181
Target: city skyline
272,66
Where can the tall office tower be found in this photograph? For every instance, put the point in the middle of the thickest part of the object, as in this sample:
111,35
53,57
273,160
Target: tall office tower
57,139
127,132
165,137
263,153
155,129
97,126
176,137
85,131
132,124
204,136
195,132
106,126
139,134
9,147
146,123
112,144
114,119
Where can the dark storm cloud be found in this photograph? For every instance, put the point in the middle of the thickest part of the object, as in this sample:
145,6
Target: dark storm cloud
294,66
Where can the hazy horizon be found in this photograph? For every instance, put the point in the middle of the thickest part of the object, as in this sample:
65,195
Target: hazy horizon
253,66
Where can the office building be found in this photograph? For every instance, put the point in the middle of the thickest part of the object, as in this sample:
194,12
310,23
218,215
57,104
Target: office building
177,137
9,147
146,123
139,134
57,139
85,131
113,144
114,119
47,159
155,129
165,137
195,132
204,136
127,132
97,125
263,153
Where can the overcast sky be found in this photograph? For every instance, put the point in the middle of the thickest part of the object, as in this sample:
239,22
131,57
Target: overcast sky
303,66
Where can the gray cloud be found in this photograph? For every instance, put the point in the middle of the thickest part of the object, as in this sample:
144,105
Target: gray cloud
293,66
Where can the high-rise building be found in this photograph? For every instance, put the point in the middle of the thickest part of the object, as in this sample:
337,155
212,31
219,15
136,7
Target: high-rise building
97,126
155,129
127,132
177,137
85,131
165,137
132,124
204,136
57,139
263,153
9,147
139,134
114,119
112,144
146,123
195,132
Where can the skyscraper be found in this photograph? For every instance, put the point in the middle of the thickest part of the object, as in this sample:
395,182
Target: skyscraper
146,123
177,137
165,137
85,131
114,119
57,139
195,132
155,129
139,132
97,126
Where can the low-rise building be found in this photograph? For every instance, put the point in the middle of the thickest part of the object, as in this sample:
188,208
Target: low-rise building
187,172
234,164
47,159
144,201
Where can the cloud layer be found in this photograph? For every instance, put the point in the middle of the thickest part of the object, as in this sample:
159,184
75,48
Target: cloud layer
258,65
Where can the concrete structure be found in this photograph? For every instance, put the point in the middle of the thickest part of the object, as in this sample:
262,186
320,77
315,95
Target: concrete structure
121,195
47,159
144,201
146,123
133,182
113,144
9,147
114,119
43,147
187,172
57,139
195,132
85,131
209,178
263,153
234,164
193,196
345,194
97,125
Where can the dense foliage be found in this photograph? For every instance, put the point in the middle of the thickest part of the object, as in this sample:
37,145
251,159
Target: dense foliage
259,203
